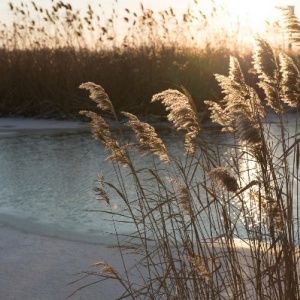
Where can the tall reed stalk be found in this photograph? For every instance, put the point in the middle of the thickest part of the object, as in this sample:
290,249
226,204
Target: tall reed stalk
222,220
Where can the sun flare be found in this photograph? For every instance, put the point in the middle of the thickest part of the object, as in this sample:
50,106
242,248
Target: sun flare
253,14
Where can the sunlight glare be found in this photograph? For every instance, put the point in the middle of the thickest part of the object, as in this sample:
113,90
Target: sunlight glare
253,13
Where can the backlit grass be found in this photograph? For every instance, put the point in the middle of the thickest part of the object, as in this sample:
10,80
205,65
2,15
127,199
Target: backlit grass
47,52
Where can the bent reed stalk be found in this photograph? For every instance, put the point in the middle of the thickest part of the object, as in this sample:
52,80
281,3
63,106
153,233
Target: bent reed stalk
221,221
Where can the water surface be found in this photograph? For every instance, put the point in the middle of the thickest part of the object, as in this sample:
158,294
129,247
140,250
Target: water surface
47,181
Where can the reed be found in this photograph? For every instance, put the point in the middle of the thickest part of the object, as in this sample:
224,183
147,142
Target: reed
220,221
47,51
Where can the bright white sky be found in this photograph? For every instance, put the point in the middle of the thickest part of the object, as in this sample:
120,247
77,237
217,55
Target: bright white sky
254,8
254,11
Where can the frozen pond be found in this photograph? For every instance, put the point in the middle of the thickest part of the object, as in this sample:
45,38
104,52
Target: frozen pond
47,179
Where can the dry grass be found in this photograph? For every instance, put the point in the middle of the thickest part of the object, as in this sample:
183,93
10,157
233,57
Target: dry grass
221,221
44,82
47,52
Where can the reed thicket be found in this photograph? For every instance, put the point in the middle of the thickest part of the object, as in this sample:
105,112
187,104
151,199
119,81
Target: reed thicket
220,221
47,51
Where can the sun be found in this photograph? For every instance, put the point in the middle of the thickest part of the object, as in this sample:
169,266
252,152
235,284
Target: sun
253,14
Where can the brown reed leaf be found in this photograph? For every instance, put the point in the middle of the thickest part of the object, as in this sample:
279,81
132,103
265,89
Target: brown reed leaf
147,137
181,113
248,186
223,179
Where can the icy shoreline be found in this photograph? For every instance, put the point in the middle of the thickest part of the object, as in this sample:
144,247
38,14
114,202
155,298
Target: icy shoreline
12,126
35,267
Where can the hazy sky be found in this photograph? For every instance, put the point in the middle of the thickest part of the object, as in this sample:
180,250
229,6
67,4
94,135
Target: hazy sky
121,5
252,5
253,10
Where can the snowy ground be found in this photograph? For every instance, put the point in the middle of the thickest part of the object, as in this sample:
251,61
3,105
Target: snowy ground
34,267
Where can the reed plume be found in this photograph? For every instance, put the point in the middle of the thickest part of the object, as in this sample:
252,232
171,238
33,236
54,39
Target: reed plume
106,269
101,131
238,94
147,137
266,66
249,132
264,61
290,80
182,113
223,179
184,199
240,110
100,191
273,212
98,95
220,116
199,266
291,24
102,195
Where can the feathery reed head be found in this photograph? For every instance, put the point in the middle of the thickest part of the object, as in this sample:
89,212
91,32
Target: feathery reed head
98,95
101,131
235,72
99,127
223,179
147,137
182,113
264,61
184,200
248,131
266,66
239,98
274,213
100,191
102,195
106,269
270,209
199,266
290,81
220,116
291,24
